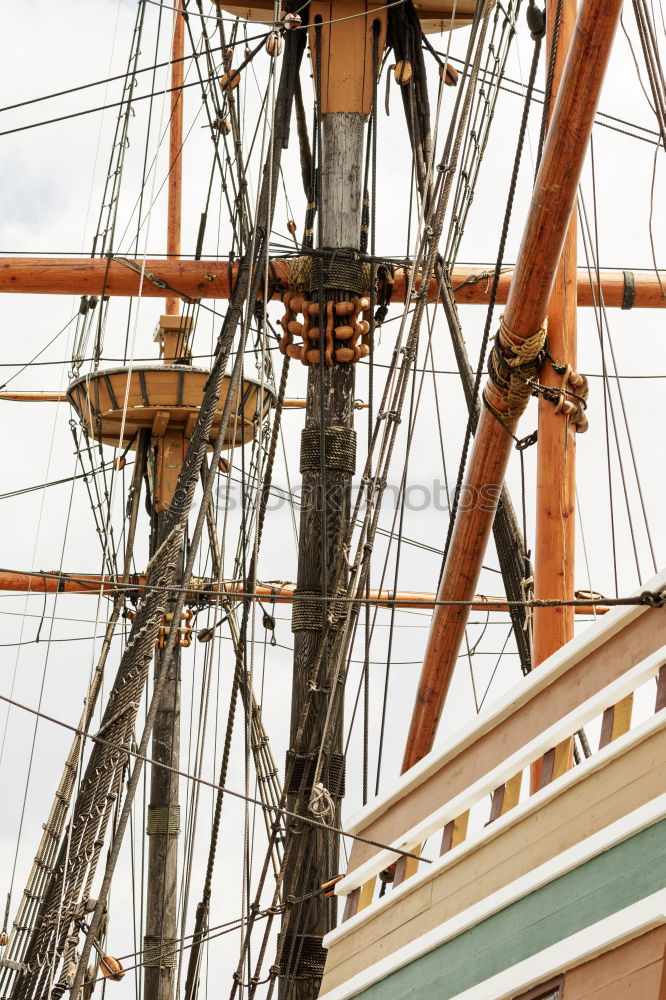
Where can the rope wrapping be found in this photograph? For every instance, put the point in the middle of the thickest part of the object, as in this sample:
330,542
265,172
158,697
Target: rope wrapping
340,449
343,271
513,373
311,957
308,612
303,769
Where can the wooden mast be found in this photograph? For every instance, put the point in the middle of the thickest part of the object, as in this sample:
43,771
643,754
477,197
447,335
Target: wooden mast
175,145
342,35
556,441
340,208
163,818
552,201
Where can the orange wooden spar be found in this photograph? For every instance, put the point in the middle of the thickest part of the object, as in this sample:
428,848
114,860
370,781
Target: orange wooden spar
174,209
35,397
208,279
556,442
280,592
62,397
548,219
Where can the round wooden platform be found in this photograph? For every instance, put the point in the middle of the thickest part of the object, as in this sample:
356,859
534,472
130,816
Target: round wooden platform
435,15
154,392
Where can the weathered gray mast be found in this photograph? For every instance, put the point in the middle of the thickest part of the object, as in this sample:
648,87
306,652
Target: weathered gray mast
163,815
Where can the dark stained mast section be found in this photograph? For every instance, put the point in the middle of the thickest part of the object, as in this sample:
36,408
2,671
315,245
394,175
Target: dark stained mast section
324,517
343,55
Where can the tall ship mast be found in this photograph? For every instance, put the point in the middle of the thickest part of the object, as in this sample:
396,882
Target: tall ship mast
253,776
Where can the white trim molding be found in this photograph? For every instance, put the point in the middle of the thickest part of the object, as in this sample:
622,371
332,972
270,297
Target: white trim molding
597,843
518,761
582,645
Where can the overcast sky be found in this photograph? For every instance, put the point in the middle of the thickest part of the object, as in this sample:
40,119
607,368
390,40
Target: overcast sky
51,179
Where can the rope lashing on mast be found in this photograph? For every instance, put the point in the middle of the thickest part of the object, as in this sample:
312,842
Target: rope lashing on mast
340,448
516,375
340,269
512,364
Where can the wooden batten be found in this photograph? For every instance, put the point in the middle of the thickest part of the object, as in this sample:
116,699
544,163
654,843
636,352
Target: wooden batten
454,833
506,797
616,721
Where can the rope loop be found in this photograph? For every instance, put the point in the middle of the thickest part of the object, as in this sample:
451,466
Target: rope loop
321,803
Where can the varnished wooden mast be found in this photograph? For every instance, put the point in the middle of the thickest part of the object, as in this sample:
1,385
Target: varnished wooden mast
206,279
176,147
343,67
556,443
552,201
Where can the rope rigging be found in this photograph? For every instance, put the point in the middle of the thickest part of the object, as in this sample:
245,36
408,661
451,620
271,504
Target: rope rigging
510,543
122,712
31,908
384,434
57,911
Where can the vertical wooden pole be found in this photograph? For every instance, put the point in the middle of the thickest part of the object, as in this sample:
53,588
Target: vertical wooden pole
163,821
163,825
556,446
325,512
175,146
